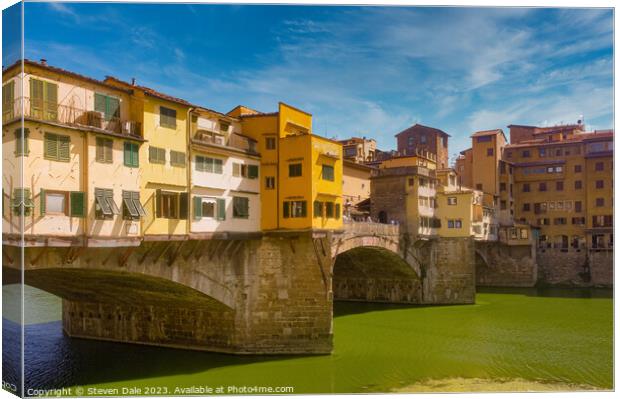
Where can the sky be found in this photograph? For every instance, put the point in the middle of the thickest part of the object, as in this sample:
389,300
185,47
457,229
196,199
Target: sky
361,71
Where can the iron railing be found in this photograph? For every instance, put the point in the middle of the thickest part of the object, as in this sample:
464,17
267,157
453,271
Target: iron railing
233,140
68,115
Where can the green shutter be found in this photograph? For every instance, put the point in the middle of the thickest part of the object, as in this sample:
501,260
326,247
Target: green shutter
221,209
113,108
8,101
183,206
108,150
199,163
100,150
78,204
64,148
21,142
100,103
304,211
50,146
36,98
197,208
318,209
42,201
135,155
286,209
127,153
158,203
253,171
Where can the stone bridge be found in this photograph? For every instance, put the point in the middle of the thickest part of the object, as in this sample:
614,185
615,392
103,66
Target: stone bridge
246,294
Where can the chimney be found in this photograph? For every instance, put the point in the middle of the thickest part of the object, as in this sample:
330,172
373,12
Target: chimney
133,81
43,61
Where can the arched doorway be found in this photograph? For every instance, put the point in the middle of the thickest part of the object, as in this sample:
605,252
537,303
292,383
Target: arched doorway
383,217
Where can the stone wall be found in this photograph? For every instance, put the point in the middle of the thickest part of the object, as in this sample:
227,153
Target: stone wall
501,265
575,267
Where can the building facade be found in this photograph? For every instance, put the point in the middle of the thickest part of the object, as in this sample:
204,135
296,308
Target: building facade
359,149
423,139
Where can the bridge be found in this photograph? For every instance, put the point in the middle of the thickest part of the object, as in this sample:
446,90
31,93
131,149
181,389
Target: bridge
271,292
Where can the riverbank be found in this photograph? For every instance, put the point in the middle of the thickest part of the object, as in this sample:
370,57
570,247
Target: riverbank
467,385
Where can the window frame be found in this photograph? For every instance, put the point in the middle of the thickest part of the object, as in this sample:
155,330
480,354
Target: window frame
167,117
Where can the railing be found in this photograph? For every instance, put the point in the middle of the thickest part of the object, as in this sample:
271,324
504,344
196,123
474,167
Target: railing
364,228
234,140
67,115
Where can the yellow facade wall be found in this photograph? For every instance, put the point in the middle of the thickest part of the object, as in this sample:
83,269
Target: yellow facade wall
461,211
326,152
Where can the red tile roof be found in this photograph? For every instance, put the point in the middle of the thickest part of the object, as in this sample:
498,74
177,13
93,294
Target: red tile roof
152,92
417,126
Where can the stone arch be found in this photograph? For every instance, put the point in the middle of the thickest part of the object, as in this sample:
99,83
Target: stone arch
375,274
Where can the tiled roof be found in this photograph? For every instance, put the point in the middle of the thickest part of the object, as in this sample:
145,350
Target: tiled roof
259,114
577,138
488,132
153,92
417,126
63,72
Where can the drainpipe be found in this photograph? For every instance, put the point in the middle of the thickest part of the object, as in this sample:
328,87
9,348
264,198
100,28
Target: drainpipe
188,171
84,178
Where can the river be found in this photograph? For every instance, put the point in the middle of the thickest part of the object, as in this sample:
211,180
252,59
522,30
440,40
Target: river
550,337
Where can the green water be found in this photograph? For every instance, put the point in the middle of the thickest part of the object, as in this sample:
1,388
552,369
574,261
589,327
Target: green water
552,336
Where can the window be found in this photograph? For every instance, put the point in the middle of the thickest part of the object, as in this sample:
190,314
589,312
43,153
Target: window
224,126
131,154
451,200
542,186
525,154
109,106
502,186
294,209
577,168
484,139
171,205
455,223
55,202
207,209
157,155
329,209
559,186
63,202
103,152
105,207
502,205
423,139
21,142
132,208
502,168
526,207
479,186
578,185
167,117
489,152
270,143
558,152
559,221
327,172
243,170
177,158
57,147
21,197
526,187
8,101
410,141
411,181
318,209
600,202
600,184
541,152
270,182
253,171
294,170
578,220
599,166
43,100
209,165
577,206
241,207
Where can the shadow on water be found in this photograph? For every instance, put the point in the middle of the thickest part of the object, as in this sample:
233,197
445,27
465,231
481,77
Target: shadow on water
550,292
54,360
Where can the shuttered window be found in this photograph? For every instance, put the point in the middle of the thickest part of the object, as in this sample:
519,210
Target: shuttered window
177,158
337,213
167,117
210,165
78,204
8,101
157,155
104,150
241,207
21,142
318,209
131,154
171,205
132,208
295,209
329,209
243,170
109,106
253,171
294,170
327,172
105,207
22,200
221,209
43,100
57,147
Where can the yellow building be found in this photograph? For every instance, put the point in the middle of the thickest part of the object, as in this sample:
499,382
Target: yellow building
301,173
424,159
78,180
355,188
164,173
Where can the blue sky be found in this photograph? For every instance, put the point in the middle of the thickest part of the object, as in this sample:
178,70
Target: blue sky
369,71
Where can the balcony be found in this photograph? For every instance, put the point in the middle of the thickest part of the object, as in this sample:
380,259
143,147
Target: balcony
68,115
234,140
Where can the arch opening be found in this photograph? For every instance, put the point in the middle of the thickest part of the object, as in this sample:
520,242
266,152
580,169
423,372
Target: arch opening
375,274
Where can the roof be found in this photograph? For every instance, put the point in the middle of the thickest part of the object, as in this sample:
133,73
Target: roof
577,138
152,92
259,114
199,108
417,126
242,106
64,72
352,164
491,132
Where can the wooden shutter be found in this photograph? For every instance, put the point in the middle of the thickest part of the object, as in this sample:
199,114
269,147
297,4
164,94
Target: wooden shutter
183,206
42,201
158,203
199,163
50,150
8,99
113,108
51,101
100,103
108,150
197,208
304,211
64,148
337,211
78,204
253,171
286,210
36,98
221,209
100,150
127,153
236,169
